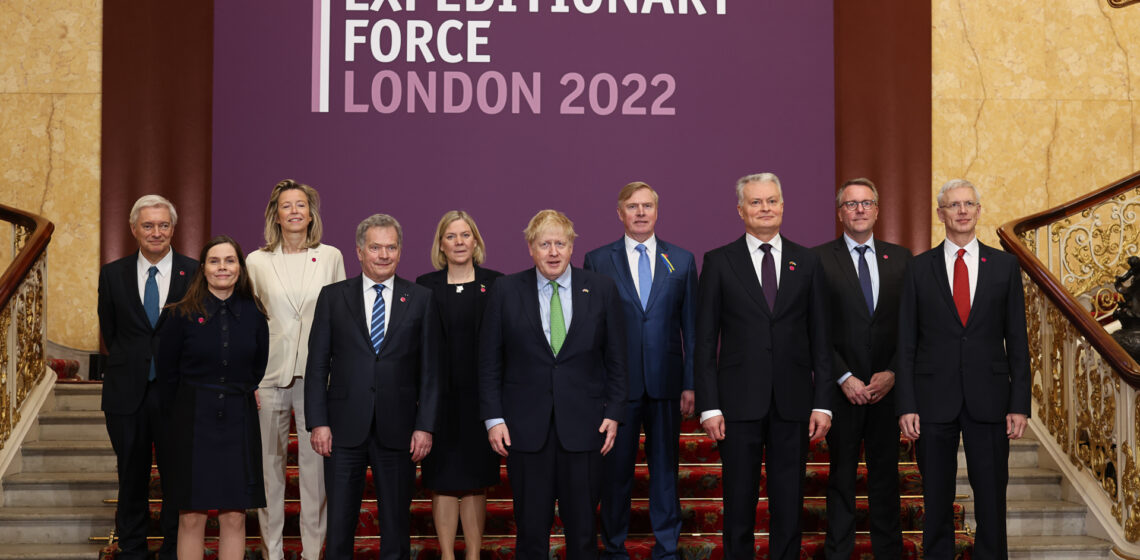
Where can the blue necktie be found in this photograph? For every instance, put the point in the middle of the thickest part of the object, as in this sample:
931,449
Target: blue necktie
865,278
644,275
150,305
378,318
768,275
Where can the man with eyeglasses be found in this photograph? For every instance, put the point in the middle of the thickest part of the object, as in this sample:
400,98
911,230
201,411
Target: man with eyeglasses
133,292
864,280
963,371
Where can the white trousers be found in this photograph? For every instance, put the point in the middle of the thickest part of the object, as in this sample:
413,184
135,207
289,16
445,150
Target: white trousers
276,404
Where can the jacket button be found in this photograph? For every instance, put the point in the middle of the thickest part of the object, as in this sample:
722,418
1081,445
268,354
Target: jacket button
220,397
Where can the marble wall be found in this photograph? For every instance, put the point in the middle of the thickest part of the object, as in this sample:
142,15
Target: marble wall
50,80
1037,102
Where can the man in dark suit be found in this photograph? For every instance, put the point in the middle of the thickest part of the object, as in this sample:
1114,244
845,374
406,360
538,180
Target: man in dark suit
864,279
374,395
552,387
762,302
659,305
963,371
132,294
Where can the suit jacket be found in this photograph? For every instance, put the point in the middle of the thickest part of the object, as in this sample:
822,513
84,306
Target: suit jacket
780,355
290,320
351,389
659,338
523,382
131,342
863,343
437,283
944,365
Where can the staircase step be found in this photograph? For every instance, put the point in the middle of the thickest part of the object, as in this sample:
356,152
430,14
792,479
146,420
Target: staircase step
68,456
1027,518
59,489
78,396
51,551
1058,548
73,425
1025,483
59,525
1022,453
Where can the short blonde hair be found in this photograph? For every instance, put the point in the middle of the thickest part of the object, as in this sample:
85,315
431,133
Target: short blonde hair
627,191
438,259
549,219
273,229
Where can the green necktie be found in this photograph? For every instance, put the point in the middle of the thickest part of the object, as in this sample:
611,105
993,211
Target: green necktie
557,323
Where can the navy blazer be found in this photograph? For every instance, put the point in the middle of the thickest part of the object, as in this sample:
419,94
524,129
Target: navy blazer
747,355
943,364
131,342
351,389
660,338
523,382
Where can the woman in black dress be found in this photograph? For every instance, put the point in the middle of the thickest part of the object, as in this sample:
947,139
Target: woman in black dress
461,465
212,353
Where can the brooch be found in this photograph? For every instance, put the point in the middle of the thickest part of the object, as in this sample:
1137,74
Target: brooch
459,288
665,256
791,265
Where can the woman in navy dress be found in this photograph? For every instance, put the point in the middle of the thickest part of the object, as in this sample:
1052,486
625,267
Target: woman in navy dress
212,354
461,465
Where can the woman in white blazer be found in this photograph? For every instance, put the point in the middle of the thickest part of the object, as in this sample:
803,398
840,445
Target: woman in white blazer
288,274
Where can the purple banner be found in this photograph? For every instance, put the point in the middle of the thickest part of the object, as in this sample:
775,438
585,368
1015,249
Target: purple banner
505,107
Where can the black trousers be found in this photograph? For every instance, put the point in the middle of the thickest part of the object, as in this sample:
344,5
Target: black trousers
133,436
393,475
552,473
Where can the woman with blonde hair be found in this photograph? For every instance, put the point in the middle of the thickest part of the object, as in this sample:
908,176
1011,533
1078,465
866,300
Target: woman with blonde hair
288,274
461,465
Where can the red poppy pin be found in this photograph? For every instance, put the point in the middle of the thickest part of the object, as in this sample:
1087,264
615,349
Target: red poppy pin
201,320
482,288
182,273
403,299
314,259
885,257
791,265
983,259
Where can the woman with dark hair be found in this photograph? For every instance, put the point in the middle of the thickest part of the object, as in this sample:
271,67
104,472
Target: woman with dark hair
212,354
288,274
461,465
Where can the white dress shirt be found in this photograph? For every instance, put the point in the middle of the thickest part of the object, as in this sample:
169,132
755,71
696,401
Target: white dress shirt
370,300
633,256
165,265
950,250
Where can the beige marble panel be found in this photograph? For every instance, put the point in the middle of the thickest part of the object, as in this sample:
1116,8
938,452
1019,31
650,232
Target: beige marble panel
1094,147
24,148
51,46
999,37
1002,146
1126,32
1085,53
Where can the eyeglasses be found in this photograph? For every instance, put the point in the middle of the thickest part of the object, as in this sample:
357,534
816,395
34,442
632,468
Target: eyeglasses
967,204
853,204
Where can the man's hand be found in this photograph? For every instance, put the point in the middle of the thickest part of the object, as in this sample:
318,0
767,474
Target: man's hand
687,402
421,445
321,440
257,398
714,427
608,427
881,384
1015,425
500,438
908,423
819,423
856,391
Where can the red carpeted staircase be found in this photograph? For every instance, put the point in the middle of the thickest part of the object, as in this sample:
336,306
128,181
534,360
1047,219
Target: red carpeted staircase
699,489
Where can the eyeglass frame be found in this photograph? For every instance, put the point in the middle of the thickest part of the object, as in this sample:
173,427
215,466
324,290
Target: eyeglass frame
852,205
959,204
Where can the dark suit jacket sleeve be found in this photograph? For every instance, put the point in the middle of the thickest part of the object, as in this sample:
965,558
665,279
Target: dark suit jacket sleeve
908,340
689,323
106,307
1017,344
616,358
491,353
427,414
821,348
317,367
707,335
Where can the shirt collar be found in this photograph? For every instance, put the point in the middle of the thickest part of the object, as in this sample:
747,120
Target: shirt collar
951,250
754,243
164,264
852,244
563,281
650,244
213,305
388,284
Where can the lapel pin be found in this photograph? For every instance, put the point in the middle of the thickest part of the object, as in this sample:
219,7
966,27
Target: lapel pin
403,299
983,259
182,273
885,257
482,288
314,259
585,290
791,265
201,320
666,257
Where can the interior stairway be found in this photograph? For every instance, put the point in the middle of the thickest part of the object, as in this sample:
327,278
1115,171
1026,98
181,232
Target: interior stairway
62,501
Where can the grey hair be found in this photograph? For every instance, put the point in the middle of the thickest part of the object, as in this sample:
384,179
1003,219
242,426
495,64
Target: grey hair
958,184
381,221
757,178
862,181
152,201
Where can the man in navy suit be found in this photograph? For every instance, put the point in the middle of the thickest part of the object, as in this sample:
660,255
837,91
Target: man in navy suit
963,372
132,294
552,387
763,367
374,395
657,283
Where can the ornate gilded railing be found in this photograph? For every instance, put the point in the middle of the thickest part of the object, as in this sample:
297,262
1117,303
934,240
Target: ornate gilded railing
1084,384
22,314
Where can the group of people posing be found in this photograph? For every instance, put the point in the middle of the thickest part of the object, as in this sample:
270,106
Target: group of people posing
559,369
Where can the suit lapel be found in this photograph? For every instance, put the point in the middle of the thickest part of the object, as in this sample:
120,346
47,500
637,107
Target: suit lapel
660,273
130,281
311,266
277,258
179,282
354,300
981,282
851,277
398,310
741,263
529,304
938,264
580,296
621,267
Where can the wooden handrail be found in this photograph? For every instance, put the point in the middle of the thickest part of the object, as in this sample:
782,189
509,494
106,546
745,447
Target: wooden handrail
1010,236
40,234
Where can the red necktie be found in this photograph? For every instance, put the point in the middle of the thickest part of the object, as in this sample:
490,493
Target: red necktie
962,287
